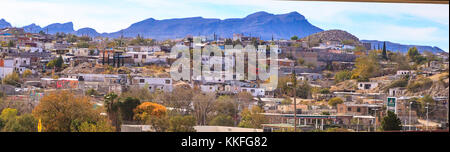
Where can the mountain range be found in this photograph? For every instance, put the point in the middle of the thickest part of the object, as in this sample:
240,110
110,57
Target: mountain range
396,47
260,24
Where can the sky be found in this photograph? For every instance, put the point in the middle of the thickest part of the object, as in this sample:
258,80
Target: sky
418,24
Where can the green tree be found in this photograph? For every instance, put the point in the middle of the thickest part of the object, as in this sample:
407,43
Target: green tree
11,122
295,37
286,101
100,126
252,118
182,124
427,99
384,53
366,67
342,76
59,62
415,56
26,73
11,79
127,106
226,105
335,101
222,120
23,123
391,122
11,43
304,90
112,109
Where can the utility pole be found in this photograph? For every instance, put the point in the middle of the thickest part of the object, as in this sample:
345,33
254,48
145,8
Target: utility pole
375,122
294,85
426,128
236,111
410,107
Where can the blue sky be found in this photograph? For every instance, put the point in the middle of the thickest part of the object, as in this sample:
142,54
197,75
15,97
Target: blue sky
420,24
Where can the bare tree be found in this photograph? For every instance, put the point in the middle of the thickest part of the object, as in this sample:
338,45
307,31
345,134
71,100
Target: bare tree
203,105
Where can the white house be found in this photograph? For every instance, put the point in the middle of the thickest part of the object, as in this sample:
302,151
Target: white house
209,88
309,76
147,57
367,85
4,71
256,92
395,92
154,84
405,72
80,51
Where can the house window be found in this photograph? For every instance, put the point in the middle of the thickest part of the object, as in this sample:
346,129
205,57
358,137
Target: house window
167,81
358,110
136,56
141,80
144,56
349,109
367,86
252,90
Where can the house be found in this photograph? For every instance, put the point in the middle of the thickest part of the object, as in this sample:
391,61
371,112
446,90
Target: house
401,73
256,92
367,85
6,67
80,51
147,58
149,49
355,109
237,36
396,92
309,76
154,84
301,108
209,88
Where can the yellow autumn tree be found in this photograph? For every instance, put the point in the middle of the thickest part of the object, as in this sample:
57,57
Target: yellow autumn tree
148,110
63,111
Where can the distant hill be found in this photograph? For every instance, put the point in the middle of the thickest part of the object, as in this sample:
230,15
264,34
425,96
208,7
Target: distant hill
260,24
59,27
87,31
332,35
4,24
32,28
401,47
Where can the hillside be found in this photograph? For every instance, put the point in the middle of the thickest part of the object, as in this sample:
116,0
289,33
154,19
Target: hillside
332,35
